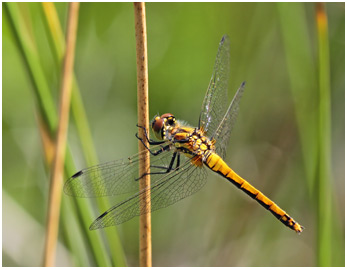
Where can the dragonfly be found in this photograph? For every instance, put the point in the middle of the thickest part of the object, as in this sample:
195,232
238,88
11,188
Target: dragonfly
180,157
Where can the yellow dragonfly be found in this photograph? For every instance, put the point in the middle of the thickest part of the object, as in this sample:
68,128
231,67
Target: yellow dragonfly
179,158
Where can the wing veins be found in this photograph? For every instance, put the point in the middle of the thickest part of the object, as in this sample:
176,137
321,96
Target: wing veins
107,219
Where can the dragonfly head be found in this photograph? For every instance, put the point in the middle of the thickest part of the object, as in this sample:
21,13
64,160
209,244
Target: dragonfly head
163,123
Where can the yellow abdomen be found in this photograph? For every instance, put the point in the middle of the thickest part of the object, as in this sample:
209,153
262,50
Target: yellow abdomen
216,163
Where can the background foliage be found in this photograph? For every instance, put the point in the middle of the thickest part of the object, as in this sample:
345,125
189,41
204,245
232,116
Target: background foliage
275,145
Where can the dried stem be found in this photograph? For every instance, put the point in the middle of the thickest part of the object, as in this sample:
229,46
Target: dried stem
58,163
142,108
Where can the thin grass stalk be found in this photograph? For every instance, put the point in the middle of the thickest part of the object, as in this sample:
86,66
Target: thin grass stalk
47,141
57,40
300,64
47,115
60,149
30,54
73,238
324,215
22,32
145,250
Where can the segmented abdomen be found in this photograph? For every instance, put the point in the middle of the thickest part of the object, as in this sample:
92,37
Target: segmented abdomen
216,163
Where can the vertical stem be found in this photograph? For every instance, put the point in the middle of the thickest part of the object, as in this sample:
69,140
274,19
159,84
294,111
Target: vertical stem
58,163
142,113
324,251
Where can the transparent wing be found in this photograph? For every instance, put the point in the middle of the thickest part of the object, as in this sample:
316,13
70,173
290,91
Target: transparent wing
169,189
116,177
226,125
214,105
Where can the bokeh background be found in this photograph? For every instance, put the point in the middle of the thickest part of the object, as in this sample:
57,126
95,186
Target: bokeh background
277,142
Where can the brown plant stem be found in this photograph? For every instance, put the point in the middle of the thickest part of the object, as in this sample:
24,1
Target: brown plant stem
143,120
59,155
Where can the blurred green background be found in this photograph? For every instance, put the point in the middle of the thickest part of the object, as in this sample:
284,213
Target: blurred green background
276,143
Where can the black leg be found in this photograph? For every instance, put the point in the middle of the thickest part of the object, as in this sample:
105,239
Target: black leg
155,153
150,141
185,150
178,160
171,164
167,169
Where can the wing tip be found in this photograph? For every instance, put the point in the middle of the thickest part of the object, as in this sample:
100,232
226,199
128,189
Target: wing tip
92,228
95,225
224,38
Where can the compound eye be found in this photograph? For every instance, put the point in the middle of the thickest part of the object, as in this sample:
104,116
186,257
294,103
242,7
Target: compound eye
157,125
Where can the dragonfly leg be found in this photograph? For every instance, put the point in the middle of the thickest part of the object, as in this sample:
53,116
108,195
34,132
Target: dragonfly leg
178,161
170,167
185,150
150,141
155,153
166,169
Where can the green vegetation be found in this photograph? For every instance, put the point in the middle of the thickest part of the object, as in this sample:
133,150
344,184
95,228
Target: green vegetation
288,140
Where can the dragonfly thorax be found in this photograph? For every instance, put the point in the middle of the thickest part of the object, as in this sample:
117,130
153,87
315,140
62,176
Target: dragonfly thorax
191,141
198,145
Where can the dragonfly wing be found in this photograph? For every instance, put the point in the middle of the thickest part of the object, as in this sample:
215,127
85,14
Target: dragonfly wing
113,178
171,188
226,125
215,101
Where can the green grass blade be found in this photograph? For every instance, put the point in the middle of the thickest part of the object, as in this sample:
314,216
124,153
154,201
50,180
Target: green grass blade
56,38
24,38
314,124
324,254
47,110
300,63
30,56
